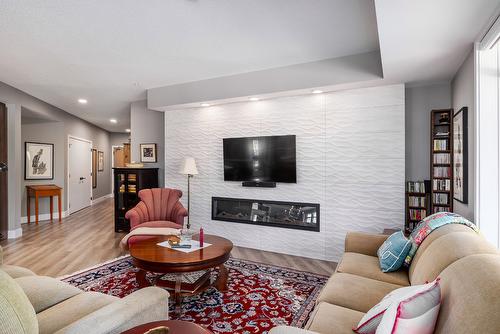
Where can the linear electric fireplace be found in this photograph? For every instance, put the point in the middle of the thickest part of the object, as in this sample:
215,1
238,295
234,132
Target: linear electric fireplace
302,216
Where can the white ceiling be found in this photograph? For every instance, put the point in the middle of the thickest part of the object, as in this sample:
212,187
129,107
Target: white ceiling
110,52
427,40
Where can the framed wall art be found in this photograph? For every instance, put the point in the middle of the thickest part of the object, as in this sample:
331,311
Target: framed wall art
39,161
148,153
460,156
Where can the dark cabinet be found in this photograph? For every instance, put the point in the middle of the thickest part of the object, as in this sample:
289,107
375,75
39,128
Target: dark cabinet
128,182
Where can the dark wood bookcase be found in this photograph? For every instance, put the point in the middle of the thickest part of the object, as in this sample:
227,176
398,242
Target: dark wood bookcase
128,182
441,160
418,198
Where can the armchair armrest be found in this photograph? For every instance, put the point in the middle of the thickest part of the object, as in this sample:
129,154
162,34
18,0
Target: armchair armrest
290,330
364,243
137,215
178,213
145,305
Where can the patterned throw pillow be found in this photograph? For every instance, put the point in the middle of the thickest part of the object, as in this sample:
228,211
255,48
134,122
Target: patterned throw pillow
429,224
372,319
416,313
393,251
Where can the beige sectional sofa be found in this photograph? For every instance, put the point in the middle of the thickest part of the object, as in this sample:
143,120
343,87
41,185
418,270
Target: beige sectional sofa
38,304
469,268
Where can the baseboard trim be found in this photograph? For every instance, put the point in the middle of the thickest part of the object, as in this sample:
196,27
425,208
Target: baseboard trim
43,216
100,199
14,234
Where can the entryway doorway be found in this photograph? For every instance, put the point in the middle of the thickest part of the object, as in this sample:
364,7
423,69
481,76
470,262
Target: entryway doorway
79,174
3,173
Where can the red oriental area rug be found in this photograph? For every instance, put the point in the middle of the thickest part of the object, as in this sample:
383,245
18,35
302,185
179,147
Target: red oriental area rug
259,296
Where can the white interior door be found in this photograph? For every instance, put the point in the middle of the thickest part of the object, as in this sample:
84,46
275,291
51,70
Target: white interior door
79,174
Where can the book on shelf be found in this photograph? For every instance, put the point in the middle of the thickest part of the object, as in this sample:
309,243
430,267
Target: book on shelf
441,158
417,214
442,133
442,171
440,144
440,199
415,187
437,209
441,185
416,201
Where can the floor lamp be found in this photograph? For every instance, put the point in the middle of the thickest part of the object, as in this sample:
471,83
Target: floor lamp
189,169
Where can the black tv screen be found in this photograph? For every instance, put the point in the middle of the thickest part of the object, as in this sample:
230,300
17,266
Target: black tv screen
261,159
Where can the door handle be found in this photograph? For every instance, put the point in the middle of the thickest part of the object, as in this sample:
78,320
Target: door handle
3,167
82,178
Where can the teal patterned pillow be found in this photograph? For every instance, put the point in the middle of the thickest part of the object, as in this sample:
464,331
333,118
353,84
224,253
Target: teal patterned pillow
393,251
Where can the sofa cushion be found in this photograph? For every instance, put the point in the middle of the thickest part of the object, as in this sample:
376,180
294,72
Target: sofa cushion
15,271
332,319
44,292
392,253
354,292
436,234
470,301
16,312
71,310
446,250
368,266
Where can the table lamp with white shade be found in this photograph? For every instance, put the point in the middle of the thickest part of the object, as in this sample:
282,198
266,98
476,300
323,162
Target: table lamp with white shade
189,168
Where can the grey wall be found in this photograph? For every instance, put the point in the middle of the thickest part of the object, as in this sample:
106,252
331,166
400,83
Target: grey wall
420,100
463,96
148,126
73,125
118,139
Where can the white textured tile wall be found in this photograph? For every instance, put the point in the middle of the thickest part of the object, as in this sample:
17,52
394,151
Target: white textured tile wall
350,160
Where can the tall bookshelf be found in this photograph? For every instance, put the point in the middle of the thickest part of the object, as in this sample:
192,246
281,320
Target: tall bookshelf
418,195
441,160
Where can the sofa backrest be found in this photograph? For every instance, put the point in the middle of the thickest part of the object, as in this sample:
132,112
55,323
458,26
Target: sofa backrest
436,234
445,250
16,312
470,296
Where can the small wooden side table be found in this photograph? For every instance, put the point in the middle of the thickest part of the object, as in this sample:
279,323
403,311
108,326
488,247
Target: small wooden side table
48,190
175,326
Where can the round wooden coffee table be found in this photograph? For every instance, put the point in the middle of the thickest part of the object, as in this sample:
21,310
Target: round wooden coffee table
175,326
148,256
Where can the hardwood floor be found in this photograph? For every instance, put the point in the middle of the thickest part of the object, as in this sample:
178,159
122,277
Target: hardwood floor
87,238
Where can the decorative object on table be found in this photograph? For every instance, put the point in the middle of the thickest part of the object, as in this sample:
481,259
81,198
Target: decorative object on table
39,161
393,251
415,299
100,161
202,236
292,308
94,168
441,159
460,156
128,183
134,164
189,168
418,196
148,153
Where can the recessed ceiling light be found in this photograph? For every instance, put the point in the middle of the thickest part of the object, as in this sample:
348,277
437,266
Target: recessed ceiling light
317,91
127,130
82,101
113,120
205,104
254,99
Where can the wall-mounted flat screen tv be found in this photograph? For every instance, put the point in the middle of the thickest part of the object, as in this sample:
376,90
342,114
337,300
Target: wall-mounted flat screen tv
261,159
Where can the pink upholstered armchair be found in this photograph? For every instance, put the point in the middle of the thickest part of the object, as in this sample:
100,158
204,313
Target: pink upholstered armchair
159,207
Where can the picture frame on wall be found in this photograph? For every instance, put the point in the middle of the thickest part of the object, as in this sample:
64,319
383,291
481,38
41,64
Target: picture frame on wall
460,156
100,161
39,161
148,152
94,168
